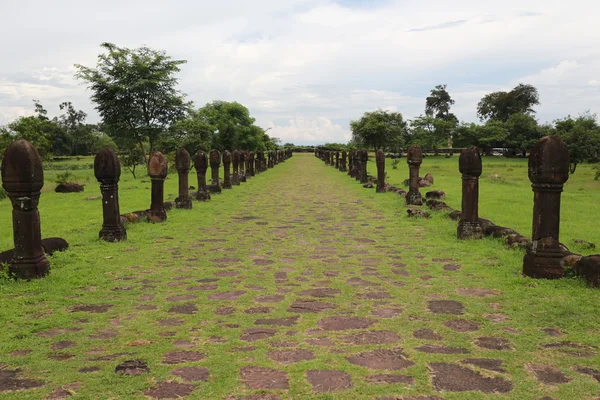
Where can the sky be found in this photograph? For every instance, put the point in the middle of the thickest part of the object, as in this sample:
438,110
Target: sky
306,68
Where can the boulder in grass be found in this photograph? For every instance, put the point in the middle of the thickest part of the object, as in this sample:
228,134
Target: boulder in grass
416,213
68,187
424,183
517,240
429,178
437,205
455,215
435,194
368,186
588,268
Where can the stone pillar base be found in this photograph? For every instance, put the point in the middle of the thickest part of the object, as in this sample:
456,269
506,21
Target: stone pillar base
469,230
157,216
113,233
414,199
380,189
185,204
29,268
545,264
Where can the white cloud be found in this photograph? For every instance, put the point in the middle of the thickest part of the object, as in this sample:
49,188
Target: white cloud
313,61
319,130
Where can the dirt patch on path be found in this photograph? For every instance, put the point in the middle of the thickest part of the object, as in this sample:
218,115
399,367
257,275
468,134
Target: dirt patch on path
455,378
345,323
264,378
328,381
386,359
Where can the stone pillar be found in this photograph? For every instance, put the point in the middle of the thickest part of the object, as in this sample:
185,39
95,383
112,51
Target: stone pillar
23,178
235,179
337,160
251,164
270,163
364,157
380,161
414,158
548,172
107,170
351,164
215,163
157,170
357,167
227,170
243,156
201,165
469,164
343,162
182,163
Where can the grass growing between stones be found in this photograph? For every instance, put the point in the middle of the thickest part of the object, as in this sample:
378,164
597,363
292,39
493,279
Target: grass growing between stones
230,288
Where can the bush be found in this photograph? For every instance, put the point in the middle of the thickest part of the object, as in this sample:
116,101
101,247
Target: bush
597,169
395,163
63,178
3,194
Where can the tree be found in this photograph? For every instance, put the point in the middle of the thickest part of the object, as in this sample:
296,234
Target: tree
486,137
501,105
432,133
582,137
135,92
438,103
522,132
380,130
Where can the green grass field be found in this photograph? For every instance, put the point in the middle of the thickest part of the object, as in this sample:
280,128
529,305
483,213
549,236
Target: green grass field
405,301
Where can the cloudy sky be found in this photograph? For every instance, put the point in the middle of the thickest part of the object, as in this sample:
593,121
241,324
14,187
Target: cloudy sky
308,67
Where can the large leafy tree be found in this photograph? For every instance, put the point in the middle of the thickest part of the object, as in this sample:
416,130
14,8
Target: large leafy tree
522,132
432,133
501,105
380,130
135,93
438,103
582,137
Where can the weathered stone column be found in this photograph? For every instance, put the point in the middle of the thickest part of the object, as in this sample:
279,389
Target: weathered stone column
243,156
201,165
380,160
182,163
364,157
270,163
337,160
107,170
548,172
23,178
251,164
470,167
343,162
414,158
227,170
235,179
157,170
351,164
256,168
215,163
357,167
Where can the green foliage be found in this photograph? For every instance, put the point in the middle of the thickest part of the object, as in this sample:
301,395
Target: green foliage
582,137
438,103
501,105
597,172
135,93
64,177
132,159
395,163
380,130
522,132
3,194
431,133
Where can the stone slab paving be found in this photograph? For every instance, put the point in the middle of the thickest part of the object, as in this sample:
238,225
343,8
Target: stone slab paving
307,290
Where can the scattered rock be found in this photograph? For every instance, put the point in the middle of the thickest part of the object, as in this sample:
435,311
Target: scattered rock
416,213
132,368
435,194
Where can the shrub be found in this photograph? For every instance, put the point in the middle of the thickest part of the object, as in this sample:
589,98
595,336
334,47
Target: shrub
395,163
597,169
64,177
3,194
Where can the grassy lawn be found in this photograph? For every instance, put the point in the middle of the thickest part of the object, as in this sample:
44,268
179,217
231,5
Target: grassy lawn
228,290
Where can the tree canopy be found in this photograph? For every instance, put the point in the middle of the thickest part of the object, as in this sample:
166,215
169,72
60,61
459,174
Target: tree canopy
380,130
135,93
501,105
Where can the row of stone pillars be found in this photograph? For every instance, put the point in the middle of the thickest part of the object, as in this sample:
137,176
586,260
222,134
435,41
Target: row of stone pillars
23,178
548,171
